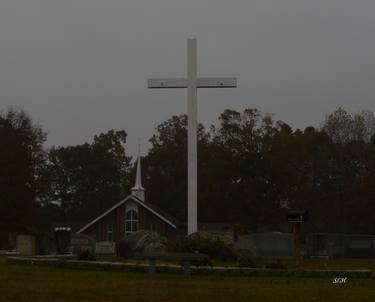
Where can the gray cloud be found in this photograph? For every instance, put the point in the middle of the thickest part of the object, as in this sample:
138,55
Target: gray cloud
80,66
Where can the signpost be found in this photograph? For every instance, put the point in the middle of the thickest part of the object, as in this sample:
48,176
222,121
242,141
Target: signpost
297,218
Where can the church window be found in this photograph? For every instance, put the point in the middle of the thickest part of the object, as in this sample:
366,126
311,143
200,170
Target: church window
131,224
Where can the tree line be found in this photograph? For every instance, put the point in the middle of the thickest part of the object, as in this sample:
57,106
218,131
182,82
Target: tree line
251,170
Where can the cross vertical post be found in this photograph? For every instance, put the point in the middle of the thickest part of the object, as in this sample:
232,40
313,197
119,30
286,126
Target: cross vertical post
192,82
192,135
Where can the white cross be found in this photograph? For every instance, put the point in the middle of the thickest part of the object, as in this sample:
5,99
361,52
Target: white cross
192,82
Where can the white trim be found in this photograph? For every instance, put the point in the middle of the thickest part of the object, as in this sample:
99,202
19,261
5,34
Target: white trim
131,206
157,214
102,215
121,203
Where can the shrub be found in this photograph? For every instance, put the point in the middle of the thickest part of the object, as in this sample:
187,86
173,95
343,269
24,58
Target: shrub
85,255
276,264
246,253
246,259
215,246
141,241
226,254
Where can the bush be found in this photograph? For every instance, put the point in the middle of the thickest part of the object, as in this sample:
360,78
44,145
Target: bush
215,246
276,264
86,255
226,254
246,253
140,242
246,259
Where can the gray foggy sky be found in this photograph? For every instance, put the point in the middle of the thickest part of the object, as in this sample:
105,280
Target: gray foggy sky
80,66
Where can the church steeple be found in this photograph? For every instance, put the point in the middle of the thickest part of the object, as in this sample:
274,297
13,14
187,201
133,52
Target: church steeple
138,191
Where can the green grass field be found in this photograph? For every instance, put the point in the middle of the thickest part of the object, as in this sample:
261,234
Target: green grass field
30,283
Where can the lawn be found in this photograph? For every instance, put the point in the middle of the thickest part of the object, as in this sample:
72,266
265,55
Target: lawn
28,283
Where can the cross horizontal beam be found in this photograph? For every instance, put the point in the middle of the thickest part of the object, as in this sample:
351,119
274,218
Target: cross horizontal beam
202,83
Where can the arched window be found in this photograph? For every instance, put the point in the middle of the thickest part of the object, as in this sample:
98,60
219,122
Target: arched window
131,224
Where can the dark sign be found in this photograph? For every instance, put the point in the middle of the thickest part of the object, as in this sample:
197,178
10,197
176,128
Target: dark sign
297,216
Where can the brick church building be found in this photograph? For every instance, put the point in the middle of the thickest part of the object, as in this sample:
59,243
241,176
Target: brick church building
130,215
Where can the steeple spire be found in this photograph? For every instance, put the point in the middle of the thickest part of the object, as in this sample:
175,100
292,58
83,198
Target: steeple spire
138,191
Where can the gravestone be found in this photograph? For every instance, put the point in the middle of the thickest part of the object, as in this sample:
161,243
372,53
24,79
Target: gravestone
62,240
26,245
80,243
105,248
331,245
360,247
273,245
46,244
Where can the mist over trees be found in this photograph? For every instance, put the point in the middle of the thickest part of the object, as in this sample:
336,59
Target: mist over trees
251,170
343,127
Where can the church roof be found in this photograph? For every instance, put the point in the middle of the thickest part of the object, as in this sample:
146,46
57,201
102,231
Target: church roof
165,214
152,208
